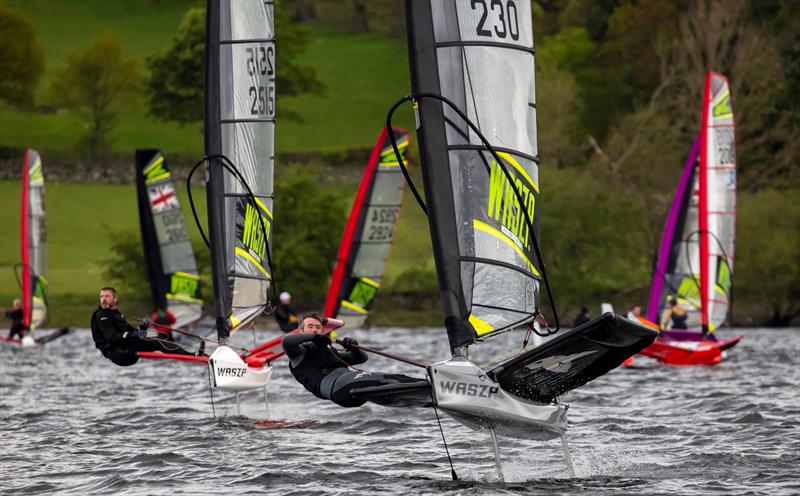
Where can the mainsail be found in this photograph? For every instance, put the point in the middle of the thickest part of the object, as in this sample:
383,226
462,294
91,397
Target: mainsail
479,55
240,131
171,266
368,234
675,274
717,201
33,242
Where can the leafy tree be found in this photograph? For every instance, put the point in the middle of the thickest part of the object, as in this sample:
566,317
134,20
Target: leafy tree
308,225
21,57
96,82
175,86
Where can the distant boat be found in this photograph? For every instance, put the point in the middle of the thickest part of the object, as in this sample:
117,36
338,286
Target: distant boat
33,251
696,254
368,233
169,256
474,94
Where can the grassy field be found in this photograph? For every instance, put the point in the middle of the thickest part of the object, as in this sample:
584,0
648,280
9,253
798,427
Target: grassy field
83,218
364,75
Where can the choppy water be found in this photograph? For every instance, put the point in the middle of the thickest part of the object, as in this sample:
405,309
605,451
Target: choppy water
72,422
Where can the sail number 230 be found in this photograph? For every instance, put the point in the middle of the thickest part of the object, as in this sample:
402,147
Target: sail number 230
506,23
261,62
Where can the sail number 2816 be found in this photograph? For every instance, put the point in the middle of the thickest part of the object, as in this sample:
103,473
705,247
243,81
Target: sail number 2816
506,23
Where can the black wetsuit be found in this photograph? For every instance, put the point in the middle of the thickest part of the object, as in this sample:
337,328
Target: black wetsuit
580,318
679,321
324,371
284,314
17,327
119,341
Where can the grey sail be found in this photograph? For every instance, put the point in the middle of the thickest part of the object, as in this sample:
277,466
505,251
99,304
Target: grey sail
240,138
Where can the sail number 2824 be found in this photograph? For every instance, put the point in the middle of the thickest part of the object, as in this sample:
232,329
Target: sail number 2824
505,23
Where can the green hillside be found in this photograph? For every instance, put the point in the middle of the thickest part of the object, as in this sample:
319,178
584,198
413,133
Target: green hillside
347,115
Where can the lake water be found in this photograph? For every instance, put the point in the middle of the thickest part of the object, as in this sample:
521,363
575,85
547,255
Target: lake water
73,423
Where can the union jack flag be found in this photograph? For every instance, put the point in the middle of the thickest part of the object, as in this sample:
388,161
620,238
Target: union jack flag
162,198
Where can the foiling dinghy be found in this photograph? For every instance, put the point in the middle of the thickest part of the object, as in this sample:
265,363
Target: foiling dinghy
472,70
33,252
695,257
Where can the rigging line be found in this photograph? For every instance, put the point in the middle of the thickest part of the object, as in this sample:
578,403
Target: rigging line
228,165
501,164
441,431
399,157
18,267
186,333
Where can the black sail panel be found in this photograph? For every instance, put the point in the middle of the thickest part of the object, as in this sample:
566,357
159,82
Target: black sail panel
240,131
169,256
479,55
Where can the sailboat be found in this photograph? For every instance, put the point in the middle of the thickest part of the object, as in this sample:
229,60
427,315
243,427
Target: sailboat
239,144
33,251
472,72
368,233
695,257
169,256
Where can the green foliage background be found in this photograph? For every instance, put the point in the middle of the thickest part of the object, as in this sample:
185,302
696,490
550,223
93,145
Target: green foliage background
619,86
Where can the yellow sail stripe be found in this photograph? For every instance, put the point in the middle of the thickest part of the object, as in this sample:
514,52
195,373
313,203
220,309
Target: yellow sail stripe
390,164
370,282
187,275
154,164
234,321
400,146
481,326
252,259
189,299
511,160
482,226
355,308
263,207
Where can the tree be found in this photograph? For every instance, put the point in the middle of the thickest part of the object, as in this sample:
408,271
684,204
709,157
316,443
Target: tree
95,82
175,87
21,57
308,225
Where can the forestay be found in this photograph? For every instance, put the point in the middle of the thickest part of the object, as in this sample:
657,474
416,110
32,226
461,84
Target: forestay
169,256
717,200
480,55
368,234
33,245
240,125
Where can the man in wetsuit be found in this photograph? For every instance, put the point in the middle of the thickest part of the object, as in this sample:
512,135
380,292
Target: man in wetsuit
326,371
119,341
16,316
285,314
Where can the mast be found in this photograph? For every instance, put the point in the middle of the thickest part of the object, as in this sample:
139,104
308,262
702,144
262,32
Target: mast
239,132
482,244
33,246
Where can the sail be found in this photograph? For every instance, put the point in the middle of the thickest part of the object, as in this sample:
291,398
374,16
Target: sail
368,233
676,274
717,200
479,55
33,242
240,126
171,266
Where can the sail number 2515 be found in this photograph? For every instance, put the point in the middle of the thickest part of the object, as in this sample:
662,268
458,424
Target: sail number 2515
260,63
506,23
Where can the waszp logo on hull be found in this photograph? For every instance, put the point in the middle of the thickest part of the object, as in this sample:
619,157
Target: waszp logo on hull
477,390
230,372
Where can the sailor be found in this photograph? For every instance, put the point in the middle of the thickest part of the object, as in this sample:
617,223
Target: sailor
162,323
285,314
581,317
327,372
119,341
676,313
634,313
16,316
